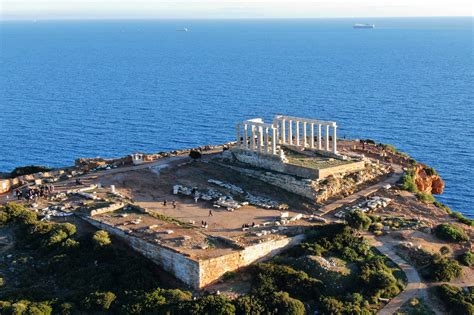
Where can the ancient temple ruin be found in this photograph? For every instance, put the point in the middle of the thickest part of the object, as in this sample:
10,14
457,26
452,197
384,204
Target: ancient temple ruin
257,136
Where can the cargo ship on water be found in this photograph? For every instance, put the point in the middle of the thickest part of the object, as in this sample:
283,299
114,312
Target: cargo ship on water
363,25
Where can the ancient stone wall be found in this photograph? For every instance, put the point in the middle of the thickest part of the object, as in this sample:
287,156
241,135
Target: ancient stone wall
212,269
112,207
182,267
199,274
345,168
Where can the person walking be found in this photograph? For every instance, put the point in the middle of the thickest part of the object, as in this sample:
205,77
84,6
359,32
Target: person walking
210,213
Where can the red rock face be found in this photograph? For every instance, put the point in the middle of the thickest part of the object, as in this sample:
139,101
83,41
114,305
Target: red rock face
428,182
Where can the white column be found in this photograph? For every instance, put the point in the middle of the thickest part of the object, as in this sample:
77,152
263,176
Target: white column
334,140
239,141
327,137
312,135
297,132
305,141
246,143
290,131
274,141
320,147
252,139
265,141
283,131
260,139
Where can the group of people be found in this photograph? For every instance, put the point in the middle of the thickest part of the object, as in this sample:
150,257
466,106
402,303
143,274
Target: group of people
204,224
34,193
173,203
248,225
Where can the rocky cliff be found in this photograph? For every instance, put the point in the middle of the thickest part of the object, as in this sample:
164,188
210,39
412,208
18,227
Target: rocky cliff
427,180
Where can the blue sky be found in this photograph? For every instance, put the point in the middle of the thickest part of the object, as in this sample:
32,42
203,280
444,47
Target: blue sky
94,9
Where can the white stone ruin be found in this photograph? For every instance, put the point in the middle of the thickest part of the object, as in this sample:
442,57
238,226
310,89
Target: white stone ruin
137,158
257,136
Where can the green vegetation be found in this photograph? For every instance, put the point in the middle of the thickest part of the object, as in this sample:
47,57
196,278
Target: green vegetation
456,300
461,218
408,181
467,259
358,220
195,154
451,233
425,197
433,267
442,206
60,271
27,170
166,218
415,307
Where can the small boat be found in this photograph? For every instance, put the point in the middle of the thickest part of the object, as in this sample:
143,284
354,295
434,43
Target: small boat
362,25
182,30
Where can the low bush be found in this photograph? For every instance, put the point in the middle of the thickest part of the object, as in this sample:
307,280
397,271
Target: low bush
408,181
442,206
467,259
358,220
461,218
444,269
27,170
101,238
195,154
451,233
456,300
425,197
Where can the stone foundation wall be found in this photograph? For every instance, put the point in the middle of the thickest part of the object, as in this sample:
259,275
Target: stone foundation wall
199,274
346,168
112,207
182,267
213,269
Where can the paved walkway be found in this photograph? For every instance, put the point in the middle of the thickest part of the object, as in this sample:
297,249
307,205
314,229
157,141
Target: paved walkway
414,283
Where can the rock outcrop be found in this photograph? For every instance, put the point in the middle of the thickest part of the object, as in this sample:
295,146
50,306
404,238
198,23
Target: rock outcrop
427,180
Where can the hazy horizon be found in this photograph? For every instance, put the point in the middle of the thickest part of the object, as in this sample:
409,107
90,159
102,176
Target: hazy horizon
228,9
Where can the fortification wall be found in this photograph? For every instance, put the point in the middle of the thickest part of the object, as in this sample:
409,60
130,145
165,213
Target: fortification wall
182,267
214,268
199,274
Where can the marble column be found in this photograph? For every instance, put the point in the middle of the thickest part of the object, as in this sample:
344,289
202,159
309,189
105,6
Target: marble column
283,131
312,135
334,140
290,132
297,132
265,141
305,141
274,140
260,139
252,139
239,141
320,147
246,140
327,137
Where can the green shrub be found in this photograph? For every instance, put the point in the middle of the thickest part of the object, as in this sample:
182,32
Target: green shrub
442,206
27,170
212,304
444,250
283,304
99,301
451,233
425,197
249,304
358,220
467,259
456,300
4,218
461,218
444,269
101,238
408,181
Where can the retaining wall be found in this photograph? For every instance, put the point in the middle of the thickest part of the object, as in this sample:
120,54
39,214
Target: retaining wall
201,273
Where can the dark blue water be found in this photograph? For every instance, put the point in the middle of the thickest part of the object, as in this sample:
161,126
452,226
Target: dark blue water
84,89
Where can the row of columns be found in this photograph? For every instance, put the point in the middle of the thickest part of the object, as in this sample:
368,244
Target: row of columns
285,125
258,137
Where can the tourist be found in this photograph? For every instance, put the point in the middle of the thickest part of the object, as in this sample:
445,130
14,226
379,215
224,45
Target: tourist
210,213
174,204
164,202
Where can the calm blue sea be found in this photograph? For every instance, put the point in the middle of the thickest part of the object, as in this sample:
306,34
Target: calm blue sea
109,88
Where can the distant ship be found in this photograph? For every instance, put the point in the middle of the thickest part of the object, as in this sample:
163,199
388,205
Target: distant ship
182,30
360,25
